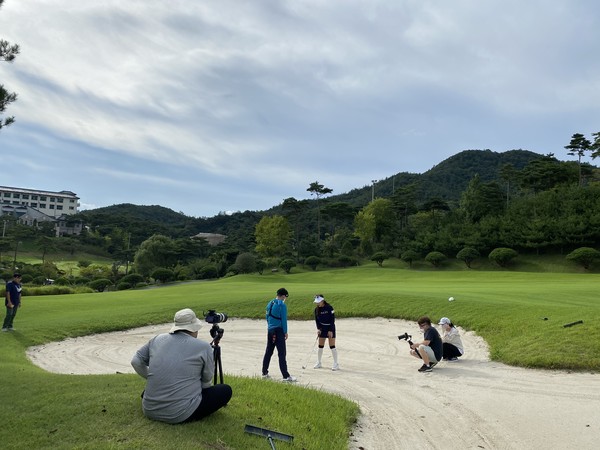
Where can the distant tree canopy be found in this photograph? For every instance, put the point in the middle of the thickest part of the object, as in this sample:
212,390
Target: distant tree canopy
158,251
469,205
273,235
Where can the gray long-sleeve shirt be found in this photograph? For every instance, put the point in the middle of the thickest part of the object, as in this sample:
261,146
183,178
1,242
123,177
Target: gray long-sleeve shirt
176,366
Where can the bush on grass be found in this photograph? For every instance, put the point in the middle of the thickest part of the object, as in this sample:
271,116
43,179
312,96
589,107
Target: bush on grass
435,258
503,256
100,284
287,265
468,255
584,256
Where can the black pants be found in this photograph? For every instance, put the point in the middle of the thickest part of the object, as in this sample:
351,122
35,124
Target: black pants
213,398
275,338
451,351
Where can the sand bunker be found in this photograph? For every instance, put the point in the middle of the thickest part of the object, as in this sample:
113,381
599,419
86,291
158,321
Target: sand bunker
471,404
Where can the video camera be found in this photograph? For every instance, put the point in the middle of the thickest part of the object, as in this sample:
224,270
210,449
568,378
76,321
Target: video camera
406,337
215,332
215,317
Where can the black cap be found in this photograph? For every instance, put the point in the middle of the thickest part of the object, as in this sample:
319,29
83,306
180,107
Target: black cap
282,291
16,275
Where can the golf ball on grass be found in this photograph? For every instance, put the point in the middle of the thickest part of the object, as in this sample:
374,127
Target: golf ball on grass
451,299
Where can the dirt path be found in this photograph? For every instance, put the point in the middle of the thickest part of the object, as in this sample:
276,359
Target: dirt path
471,404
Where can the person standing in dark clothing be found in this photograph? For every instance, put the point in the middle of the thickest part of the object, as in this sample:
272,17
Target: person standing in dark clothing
12,301
325,320
277,334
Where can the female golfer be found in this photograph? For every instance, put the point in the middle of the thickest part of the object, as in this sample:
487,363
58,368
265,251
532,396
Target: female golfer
453,347
325,319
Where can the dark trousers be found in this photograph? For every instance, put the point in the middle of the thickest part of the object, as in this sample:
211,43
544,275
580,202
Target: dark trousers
10,316
213,398
275,338
451,351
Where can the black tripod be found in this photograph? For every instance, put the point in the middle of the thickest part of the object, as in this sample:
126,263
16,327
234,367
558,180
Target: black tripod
217,333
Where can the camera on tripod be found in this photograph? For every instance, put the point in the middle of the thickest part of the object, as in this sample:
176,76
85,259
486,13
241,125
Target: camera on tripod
216,333
214,317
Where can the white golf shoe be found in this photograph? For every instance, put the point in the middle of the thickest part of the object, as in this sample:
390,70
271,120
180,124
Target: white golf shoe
318,365
335,367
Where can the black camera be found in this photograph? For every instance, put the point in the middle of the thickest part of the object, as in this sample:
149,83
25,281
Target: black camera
406,337
215,317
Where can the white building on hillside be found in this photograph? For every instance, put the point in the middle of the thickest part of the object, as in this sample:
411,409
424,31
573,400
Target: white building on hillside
32,207
53,204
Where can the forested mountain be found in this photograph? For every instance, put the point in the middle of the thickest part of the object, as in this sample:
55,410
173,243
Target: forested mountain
446,181
140,222
479,197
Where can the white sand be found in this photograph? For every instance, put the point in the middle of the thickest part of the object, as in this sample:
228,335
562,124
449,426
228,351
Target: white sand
471,404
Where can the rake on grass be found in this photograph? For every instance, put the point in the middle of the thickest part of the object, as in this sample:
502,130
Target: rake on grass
269,434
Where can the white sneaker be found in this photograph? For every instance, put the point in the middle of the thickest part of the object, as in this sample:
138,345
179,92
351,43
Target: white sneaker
290,379
4,329
266,376
318,365
336,367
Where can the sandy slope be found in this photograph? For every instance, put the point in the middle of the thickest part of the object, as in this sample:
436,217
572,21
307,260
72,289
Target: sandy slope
471,404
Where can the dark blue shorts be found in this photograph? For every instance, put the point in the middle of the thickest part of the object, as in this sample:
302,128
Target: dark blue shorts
325,330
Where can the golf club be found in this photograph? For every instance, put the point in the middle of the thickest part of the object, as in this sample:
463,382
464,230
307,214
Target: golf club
311,352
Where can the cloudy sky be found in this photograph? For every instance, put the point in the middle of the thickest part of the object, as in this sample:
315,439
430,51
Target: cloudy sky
212,106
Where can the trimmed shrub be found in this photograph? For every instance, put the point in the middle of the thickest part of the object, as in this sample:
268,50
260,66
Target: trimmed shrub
208,272
123,285
584,256
435,258
503,256
468,255
245,263
62,281
379,258
100,284
287,265
409,256
312,262
163,275
133,279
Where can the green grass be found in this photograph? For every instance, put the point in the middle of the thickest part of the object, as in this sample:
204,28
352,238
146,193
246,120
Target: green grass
103,411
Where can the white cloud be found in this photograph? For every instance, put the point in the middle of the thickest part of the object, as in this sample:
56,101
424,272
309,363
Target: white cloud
279,91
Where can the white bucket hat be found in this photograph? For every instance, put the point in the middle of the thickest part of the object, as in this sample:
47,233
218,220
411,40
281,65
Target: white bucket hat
185,319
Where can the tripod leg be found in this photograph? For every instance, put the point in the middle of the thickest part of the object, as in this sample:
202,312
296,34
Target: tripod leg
218,364
220,367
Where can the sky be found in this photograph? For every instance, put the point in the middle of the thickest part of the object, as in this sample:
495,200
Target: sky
210,107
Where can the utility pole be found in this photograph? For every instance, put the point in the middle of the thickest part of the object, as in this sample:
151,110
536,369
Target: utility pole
15,258
127,254
373,189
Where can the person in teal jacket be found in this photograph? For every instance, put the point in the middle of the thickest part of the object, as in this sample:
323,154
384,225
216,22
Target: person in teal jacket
277,334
